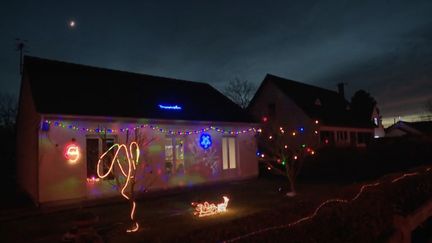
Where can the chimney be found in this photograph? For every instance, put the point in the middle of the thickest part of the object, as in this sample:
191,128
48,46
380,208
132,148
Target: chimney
341,89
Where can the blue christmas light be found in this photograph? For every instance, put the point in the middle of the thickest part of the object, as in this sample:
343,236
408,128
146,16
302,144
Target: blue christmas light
170,107
301,129
45,126
205,141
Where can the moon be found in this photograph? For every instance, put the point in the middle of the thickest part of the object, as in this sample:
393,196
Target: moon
72,24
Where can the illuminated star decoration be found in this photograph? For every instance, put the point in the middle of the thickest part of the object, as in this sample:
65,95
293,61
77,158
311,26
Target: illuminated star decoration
207,209
205,140
132,157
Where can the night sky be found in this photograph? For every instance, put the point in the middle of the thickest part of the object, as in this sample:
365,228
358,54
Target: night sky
383,47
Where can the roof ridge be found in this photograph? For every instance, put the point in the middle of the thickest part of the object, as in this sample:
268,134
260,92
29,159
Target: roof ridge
300,83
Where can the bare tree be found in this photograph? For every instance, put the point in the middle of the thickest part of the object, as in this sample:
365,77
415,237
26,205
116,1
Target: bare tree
8,109
123,168
240,91
288,148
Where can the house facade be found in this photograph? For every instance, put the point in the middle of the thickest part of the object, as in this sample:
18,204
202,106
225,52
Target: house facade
321,117
187,132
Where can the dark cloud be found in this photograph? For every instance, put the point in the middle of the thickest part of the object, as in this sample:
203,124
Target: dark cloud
400,78
383,47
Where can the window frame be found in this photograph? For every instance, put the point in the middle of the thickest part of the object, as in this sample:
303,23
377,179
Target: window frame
113,137
228,154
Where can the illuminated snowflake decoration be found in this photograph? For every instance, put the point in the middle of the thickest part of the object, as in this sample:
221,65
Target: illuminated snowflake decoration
205,141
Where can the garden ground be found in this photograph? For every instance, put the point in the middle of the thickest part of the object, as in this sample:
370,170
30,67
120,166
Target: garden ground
162,218
170,217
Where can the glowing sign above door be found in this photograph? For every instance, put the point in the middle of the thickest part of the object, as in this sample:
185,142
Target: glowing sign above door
170,107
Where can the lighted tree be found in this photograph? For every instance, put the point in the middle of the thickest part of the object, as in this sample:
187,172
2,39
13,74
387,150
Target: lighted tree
240,91
288,147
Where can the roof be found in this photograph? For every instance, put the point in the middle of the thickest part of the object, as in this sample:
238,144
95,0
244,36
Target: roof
73,89
325,105
412,128
423,126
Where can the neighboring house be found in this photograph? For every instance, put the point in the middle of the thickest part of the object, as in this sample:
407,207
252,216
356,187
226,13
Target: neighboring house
403,128
70,114
298,107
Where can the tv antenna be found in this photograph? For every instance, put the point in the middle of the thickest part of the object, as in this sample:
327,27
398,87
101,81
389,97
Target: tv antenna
21,46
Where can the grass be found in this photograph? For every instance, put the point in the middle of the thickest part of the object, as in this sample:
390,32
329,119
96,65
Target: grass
165,218
253,205
367,219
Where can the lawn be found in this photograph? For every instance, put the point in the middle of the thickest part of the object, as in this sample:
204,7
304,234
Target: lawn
254,204
162,218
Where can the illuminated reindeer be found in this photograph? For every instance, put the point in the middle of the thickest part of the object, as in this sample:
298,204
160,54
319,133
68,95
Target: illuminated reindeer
128,171
206,209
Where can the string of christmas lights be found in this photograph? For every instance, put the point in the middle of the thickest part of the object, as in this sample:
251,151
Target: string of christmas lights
153,127
316,211
207,209
281,158
132,157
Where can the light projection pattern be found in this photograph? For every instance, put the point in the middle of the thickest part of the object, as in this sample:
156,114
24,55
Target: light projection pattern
207,209
323,204
205,140
154,128
72,153
132,158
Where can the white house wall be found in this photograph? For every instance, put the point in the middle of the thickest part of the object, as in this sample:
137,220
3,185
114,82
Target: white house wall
63,180
288,115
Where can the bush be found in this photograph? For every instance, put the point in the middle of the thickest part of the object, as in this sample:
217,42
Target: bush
382,156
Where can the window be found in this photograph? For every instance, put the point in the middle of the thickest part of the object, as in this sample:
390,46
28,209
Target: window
92,152
95,147
341,136
375,121
174,155
229,155
109,142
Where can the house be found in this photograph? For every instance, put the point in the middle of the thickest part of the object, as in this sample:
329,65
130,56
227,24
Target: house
70,115
404,128
315,116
